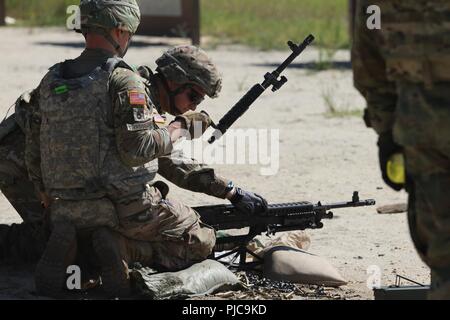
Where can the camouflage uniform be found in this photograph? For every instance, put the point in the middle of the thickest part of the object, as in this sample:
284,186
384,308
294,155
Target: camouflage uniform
131,200
120,194
92,146
25,241
403,71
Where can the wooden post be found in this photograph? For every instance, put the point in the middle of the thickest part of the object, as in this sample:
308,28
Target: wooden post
351,17
2,12
195,30
158,20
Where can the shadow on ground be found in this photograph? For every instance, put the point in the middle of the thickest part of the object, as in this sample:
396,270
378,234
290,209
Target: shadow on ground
81,44
313,66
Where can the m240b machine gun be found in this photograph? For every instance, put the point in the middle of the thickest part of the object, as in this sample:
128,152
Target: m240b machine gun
279,217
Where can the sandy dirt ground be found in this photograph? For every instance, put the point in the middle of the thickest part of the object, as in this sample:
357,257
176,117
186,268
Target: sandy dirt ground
320,158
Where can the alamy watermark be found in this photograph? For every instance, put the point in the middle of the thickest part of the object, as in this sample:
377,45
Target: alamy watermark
73,22
374,20
73,281
258,147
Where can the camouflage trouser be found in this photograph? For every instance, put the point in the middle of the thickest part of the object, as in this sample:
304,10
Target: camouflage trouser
20,242
429,215
85,214
423,127
177,235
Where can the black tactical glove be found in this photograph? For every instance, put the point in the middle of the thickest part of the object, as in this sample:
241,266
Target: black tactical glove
386,148
248,202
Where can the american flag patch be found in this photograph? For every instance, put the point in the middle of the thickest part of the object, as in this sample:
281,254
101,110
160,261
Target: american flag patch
137,98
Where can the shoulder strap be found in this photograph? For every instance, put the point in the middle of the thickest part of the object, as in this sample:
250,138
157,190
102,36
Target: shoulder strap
112,63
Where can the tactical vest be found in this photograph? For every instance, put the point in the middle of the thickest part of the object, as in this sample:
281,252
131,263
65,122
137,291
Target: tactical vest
416,40
79,157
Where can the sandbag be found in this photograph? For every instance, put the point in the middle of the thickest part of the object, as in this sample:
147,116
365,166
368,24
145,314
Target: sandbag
207,277
297,239
288,264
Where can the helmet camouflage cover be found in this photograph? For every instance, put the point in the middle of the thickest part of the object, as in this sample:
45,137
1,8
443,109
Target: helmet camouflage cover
190,64
110,14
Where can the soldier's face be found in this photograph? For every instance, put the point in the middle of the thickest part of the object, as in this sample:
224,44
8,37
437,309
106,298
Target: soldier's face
124,39
189,98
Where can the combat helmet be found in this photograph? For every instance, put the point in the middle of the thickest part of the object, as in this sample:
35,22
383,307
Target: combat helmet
190,65
110,14
100,16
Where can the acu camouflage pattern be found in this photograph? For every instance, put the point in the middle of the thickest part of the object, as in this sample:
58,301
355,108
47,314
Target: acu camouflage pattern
190,174
137,144
110,14
134,144
23,242
177,236
189,64
14,181
79,157
403,71
186,173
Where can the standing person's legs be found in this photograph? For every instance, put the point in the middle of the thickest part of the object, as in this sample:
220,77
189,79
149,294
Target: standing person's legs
429,214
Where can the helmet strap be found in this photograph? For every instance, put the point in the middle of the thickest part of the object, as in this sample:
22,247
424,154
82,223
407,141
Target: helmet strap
114,43
107,35
171,94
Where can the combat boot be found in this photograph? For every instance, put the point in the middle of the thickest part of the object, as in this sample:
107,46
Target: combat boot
60,252
115,253
109,251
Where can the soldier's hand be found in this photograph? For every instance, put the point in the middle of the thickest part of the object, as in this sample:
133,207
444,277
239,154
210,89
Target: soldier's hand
248,202
387,148
195,123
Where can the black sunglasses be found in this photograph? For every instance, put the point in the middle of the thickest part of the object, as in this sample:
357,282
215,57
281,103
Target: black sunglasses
195,96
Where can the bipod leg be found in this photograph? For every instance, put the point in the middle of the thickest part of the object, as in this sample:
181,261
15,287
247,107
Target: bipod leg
243,264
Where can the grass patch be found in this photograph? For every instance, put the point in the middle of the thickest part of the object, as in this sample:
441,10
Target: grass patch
39,12
257,23
345,113
269,24
335,110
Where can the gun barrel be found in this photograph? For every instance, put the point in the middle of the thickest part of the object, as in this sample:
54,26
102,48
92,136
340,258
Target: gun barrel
297,50
271,79
237,111
349,204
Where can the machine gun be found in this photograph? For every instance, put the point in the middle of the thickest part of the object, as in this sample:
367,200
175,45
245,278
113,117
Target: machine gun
278,218
270,79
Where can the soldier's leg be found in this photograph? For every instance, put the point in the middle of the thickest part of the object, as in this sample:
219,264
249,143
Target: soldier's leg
69,218
59,253
429,214
111,254
175,231
183,242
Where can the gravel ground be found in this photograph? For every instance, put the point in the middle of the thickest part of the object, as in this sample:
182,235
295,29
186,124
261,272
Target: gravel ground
320,157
